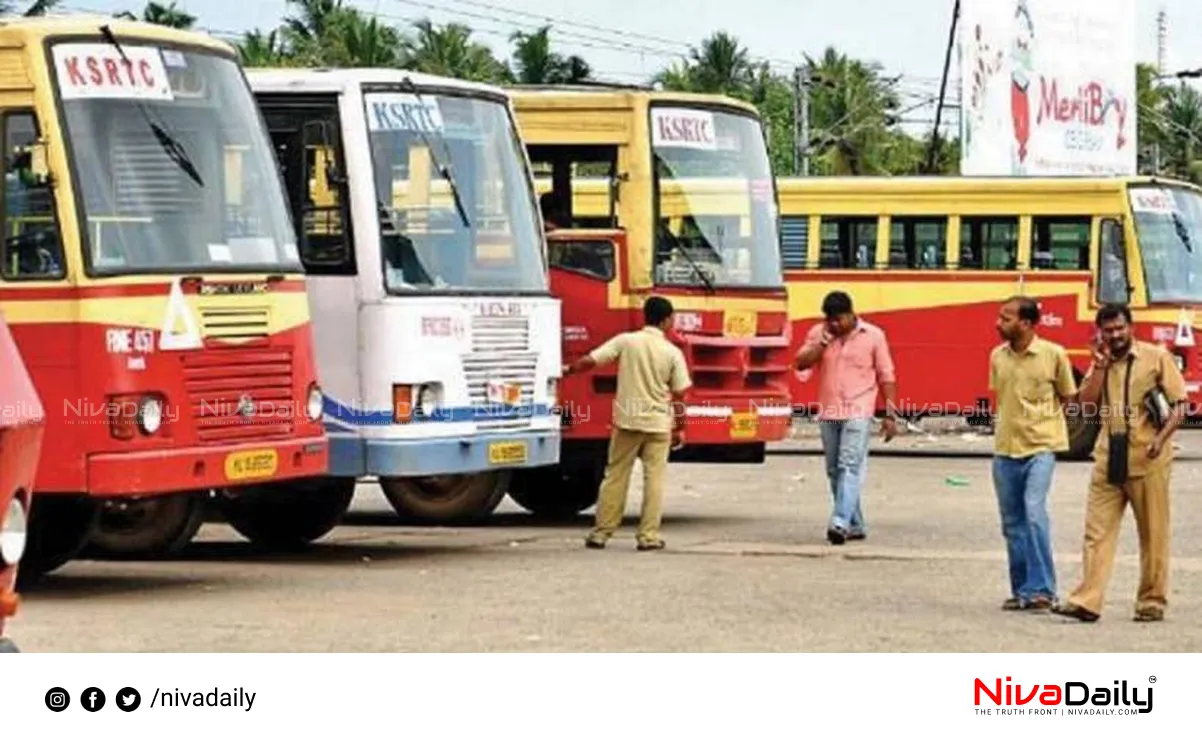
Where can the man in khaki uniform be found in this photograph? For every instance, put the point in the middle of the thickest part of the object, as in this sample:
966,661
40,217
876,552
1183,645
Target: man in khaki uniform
1120,361
648,419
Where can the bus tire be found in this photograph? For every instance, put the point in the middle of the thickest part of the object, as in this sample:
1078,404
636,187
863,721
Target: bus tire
446,499
288,515
556,492
8,646
59,528
147,527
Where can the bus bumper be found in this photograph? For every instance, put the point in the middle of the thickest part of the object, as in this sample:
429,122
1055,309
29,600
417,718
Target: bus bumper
354,456
202,467
724,423
8,605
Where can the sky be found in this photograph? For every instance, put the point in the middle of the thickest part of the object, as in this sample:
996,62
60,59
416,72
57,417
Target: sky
630,40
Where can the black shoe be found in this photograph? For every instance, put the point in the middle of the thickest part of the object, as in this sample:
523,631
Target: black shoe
651,546
594,544
1075,612
856,536
835,535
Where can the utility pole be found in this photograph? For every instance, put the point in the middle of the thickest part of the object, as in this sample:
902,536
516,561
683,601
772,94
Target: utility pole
801,120
933,153
1162,37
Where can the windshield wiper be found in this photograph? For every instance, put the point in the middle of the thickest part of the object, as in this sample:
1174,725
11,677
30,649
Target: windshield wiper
171,146
709,285
1182,232
444,170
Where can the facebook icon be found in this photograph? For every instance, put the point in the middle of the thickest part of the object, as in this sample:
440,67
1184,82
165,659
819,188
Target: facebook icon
92,699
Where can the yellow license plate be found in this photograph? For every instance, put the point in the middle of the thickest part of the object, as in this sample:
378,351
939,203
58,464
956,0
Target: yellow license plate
249,464
738,324
507,452
744,425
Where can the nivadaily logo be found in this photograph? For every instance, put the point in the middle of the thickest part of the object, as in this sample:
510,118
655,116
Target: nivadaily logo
1068,697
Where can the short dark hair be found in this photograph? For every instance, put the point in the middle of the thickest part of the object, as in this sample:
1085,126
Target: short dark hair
1028,309
835,304
656,310
1111,311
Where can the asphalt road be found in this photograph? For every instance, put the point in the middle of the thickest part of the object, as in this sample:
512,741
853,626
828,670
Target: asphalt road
746,569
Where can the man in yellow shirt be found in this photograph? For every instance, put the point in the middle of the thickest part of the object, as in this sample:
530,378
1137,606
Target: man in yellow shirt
1032,379
1124,372
648,420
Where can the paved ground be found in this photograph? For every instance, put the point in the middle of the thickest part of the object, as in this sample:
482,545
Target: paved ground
747,569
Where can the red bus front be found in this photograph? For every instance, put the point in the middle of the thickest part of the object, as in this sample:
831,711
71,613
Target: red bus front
158,298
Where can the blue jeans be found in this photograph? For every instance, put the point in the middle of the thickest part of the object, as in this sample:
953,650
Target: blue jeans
1022,487
845,443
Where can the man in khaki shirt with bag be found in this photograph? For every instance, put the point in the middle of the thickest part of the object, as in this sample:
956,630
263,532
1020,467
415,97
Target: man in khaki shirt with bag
1125,371
648,420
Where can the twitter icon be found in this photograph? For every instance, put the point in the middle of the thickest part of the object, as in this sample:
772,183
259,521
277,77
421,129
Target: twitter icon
128,699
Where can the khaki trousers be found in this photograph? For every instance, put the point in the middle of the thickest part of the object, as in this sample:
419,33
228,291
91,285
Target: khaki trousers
1149,499
624,447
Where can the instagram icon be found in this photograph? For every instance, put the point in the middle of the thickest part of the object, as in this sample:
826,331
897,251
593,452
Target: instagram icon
57,699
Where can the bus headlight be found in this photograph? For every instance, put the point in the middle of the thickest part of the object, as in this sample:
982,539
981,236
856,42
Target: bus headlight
12,533
315,402
150,415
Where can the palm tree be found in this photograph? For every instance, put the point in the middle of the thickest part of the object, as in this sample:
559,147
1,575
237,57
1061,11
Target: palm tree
257,49
1182,122
851,111
720,65
450,51
167,15
38,7
535,64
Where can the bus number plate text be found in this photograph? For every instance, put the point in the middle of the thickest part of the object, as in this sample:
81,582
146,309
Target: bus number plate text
248,464
738,324
744,425
507,452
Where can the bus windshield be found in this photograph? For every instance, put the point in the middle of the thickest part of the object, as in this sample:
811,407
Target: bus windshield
172,165
1168,224
455,198
715,200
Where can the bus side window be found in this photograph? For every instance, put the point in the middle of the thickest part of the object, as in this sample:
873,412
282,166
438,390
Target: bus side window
848,242
593,258
1112,269
32,249
919,243
989,243
309,155
794,240
1060,243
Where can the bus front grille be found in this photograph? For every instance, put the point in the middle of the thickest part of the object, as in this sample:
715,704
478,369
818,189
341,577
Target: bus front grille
505,368
235,324
500,334
239,394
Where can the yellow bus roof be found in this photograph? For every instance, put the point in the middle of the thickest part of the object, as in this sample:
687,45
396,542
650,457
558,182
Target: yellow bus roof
568,97
37,29
968,184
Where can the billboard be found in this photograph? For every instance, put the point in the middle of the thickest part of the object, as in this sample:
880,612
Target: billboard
1047,87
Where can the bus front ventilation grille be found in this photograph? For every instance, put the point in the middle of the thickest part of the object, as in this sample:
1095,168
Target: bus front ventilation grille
500,334
235,324
241,394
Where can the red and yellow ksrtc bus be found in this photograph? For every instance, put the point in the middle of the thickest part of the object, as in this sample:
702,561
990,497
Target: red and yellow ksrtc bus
151,280
654,157
929,260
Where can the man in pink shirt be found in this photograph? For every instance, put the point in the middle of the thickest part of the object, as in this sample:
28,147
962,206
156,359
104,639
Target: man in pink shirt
854,364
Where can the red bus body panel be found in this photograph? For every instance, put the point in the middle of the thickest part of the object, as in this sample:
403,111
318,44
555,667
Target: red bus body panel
22,426
77,366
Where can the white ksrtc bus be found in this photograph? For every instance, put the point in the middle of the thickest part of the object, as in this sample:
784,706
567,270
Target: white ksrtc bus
438,341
